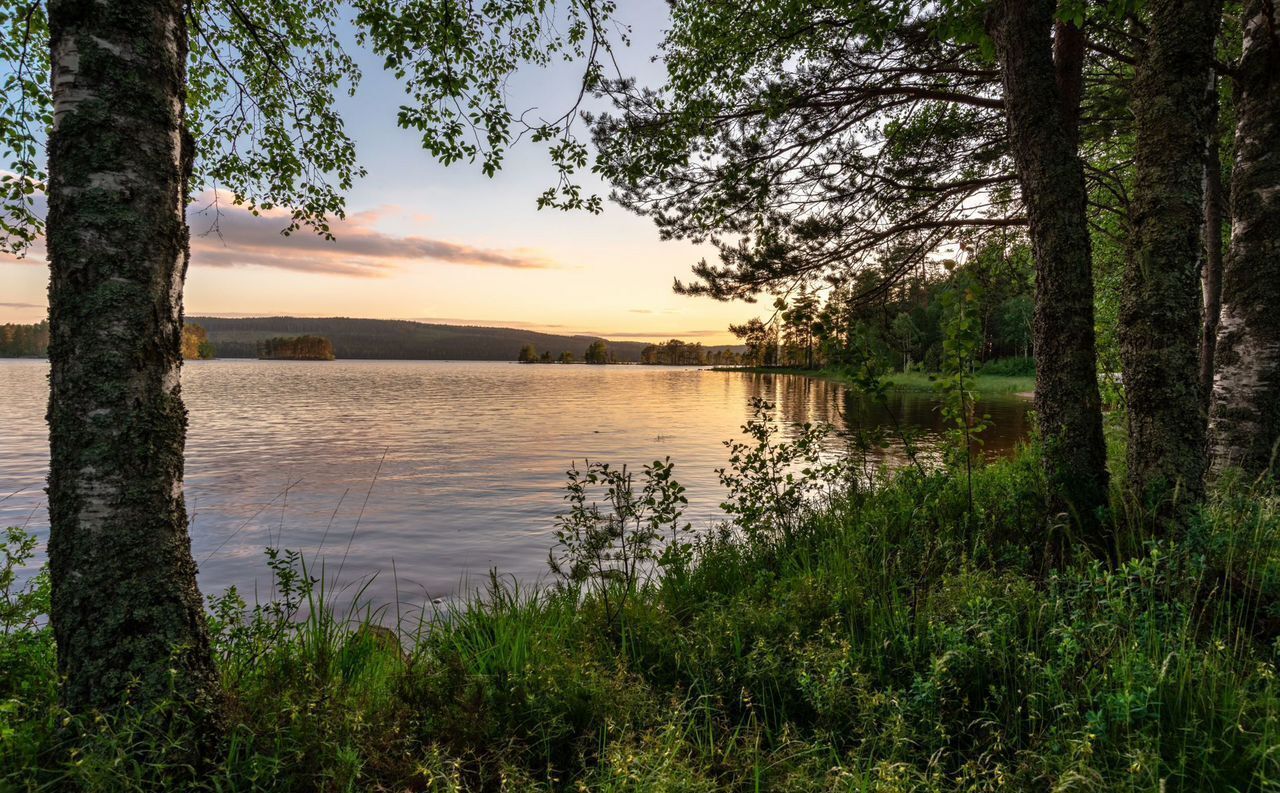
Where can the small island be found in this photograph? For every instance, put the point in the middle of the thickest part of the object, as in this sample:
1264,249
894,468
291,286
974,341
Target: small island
296,348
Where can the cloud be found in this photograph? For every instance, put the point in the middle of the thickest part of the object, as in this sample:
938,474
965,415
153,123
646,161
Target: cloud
648,334
224,235
20,305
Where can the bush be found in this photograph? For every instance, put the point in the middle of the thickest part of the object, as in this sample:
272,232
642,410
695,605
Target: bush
889,638
1009,367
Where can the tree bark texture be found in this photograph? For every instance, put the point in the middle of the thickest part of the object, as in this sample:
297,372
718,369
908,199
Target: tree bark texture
1245,417
1160,309
1211,276
126,609
1042,130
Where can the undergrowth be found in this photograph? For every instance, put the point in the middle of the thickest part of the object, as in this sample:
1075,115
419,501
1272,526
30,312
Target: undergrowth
904,637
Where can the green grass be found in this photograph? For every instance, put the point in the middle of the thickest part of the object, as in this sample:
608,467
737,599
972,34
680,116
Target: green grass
908,381
890,640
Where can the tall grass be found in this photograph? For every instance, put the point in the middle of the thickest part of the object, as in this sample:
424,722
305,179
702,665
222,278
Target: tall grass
891,639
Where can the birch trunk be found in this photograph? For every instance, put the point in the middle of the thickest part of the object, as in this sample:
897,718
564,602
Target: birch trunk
126,610
1245,416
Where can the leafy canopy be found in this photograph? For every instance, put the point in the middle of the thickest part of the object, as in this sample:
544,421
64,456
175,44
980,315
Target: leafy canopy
263,77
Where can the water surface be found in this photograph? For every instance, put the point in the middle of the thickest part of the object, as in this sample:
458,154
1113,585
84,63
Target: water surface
446,469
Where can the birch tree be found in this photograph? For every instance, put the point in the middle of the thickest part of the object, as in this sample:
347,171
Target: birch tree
148,102
1245,414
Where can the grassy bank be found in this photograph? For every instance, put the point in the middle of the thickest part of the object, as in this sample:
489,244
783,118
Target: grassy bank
889,640
906,381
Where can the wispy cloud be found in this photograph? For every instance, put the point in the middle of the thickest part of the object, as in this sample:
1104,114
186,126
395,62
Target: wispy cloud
678,334
20,305
224,235
490,323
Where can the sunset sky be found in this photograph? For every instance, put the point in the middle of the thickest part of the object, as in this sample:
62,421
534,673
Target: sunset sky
443,244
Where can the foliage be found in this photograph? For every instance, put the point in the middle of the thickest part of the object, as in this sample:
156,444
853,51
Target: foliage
195,342
771,484
455,59
24,341
296,348
761,341
682,353
902,327
613,551
22,602
1009,367
598,352
263,77
27,112
807,141
874,646
955,384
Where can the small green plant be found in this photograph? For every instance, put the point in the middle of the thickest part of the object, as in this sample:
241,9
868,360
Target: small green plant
868,377
22,605
772,484
240,632
962,341
609,549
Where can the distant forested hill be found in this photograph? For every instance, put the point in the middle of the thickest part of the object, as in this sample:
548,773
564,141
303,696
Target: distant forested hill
400,339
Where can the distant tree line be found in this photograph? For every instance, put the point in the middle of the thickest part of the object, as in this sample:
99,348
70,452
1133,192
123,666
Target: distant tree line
32,341
398,339
902,328
529,354
24,341
597,352
296,348
682,353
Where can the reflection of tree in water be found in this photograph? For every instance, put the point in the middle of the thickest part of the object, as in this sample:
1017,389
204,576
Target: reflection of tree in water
805,399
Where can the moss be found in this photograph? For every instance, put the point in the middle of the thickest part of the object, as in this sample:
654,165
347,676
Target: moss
125,608
1161,306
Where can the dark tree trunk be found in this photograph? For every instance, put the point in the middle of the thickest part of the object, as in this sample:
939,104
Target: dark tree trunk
1041,102
1161,305
1245,427
1211,278
126,609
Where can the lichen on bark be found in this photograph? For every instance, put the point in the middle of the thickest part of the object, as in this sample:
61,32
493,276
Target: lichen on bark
1245,412
1040,103
126,613
1160,312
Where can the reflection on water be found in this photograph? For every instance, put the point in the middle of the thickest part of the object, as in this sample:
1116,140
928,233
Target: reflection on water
447,469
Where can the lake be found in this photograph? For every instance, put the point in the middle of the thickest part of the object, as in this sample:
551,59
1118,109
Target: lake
446,468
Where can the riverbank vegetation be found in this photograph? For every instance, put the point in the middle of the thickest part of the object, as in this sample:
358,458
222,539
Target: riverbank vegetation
903,329
986,380
919,633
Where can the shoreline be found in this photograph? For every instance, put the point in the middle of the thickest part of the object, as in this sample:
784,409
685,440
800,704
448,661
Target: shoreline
1022,387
